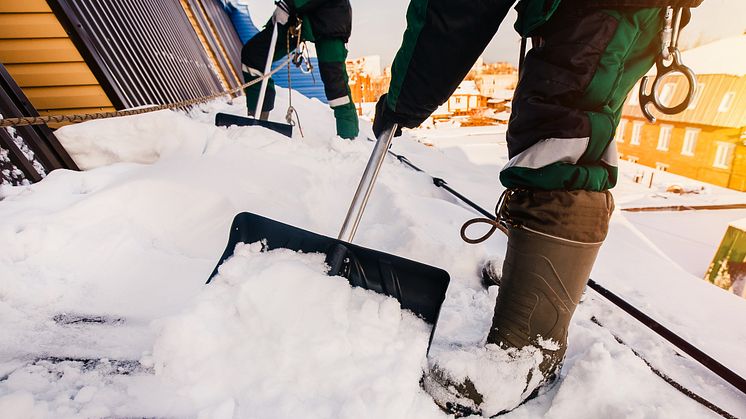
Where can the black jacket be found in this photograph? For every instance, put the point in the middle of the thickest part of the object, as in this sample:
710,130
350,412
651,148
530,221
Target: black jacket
329,18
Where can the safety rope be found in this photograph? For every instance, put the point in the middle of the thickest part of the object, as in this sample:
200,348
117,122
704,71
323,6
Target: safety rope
705,360
59,119
496,223
665,377
293,31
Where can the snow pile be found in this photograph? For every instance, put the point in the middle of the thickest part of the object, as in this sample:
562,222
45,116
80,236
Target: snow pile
740,224
132,241
498,375
96,144
273,336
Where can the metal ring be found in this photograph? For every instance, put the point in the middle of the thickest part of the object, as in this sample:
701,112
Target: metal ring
663,71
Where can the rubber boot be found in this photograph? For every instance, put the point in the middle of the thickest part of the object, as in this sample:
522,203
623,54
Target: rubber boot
492,272
347,121
553,241
252,95
542,281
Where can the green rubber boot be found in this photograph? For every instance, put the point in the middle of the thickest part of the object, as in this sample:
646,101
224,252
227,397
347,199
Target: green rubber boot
347,123
553,240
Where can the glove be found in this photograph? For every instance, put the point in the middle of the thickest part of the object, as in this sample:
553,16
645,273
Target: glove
282,13
385,118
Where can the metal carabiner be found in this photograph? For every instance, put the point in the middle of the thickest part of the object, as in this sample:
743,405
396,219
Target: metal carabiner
301,58
669,52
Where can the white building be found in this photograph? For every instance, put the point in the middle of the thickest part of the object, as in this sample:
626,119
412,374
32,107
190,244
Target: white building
495,85
369,64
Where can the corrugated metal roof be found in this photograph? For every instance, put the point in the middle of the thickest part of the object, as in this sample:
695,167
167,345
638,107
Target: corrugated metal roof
225,31
207,16
141,51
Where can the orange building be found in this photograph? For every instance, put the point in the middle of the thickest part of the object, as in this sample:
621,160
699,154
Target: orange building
706,142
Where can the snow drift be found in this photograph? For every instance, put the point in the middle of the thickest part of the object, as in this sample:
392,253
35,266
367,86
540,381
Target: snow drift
131,241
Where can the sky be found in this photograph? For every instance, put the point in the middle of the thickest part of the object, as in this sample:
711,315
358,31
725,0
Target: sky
378,26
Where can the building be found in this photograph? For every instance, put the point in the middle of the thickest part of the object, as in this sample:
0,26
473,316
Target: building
495,85
707,141
370,65
466,99
71,57
61,57
368,81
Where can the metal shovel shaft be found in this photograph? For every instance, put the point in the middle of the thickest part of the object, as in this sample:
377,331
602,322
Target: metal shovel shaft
267,70
364,189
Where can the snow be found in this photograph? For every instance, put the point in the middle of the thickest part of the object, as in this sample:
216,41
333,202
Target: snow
502,389
704,59
467,87
134,238
292,357
689,238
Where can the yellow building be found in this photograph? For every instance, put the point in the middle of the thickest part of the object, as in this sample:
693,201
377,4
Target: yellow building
706,142
80,57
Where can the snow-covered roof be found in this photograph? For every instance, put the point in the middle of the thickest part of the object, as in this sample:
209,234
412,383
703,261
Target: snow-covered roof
740,224
501,95
726,56
467,87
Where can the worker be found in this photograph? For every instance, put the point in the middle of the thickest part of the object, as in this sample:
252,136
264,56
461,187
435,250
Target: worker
326,23
585,58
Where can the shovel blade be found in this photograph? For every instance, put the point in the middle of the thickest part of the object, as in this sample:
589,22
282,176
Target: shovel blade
418,287
227,120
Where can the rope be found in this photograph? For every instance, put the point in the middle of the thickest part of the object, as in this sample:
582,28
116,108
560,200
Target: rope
665,377
41,120
498,222
296,31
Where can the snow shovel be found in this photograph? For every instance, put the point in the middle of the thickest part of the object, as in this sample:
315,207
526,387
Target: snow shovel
226,120
418,287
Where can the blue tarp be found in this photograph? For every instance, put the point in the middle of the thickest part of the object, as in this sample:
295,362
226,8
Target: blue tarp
310,86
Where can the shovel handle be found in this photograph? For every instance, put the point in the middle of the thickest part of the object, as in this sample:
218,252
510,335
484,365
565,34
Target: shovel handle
364,189
267,70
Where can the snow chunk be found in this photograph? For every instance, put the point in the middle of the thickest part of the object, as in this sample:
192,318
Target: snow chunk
276,335
499,375
136,139
740,224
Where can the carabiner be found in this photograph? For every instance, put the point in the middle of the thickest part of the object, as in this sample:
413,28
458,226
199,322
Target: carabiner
664,70
669,52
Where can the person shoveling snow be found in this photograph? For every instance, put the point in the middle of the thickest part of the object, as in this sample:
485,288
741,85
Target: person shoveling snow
586,57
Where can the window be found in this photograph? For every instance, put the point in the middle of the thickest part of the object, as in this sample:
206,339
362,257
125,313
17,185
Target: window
690,141
458,100
727,101
724,155
636,132
663,167
697,96
664,139
634,95
667,94
620,130
633,159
